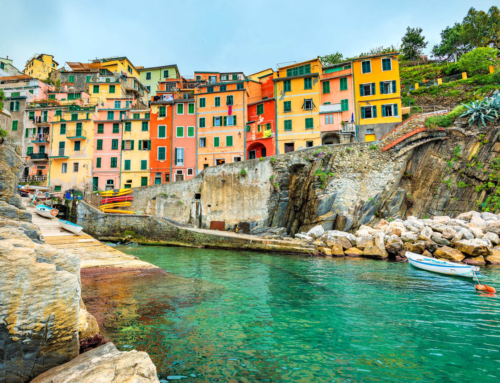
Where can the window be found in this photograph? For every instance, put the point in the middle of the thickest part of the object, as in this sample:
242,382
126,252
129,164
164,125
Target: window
235,77
74,96
368,111
95,89
62,129
99,144
308,104
163,111
198,78
240,86
326,87
128,126
162,153
260,109
217,121
328,118
298,71
148,88
114,144
179,132
148,75
190,172
386,64
229,140
41,149
14,106
229,100
309,144
147,115
76,167
52,96
31,115
128,104
14,125
222,88
117,104
205,166
165,73
309,123
367,89
343,83
77,146
344,105
217,101
144,181
190,132
64,167
179,156
288,125
230,121
203,102
370,131
388,87
202,122
128,186
162,131
180,108
287,106
167,177
389,110
366,66
114,162
128,145
127,165
144,164
100,128
111,115
145,126
223,77
74,116
129,69
98,162
136,116
308,83
203,142
71,78
112,89
116,127
216,142
287,84
210,89
87,78
289,147
144,145
190,108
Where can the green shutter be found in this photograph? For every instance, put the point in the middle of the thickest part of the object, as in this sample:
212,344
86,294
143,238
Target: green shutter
99,144
144,164
100,128
111,89
361,90
190,131
180,131
180,108
216,142
202,122
175,156
382,87
225,121
234,121
202,102
394,89
131,144
383,110
98,162
229,140
116,128
123,144
62,129
128,126
395,109
191,108
14,125
374,109
149,144
145,127
373,88
127,164
161,132
363,112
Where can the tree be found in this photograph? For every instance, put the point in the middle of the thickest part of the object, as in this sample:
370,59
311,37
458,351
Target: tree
332,59
452,43
380,50
480,29
478,61
413,42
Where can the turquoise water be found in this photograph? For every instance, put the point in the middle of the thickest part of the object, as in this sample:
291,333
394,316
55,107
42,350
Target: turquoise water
235,316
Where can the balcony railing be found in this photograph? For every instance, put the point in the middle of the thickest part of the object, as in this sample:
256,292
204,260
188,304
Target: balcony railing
348,127
34,178
39,156
76,133
40,138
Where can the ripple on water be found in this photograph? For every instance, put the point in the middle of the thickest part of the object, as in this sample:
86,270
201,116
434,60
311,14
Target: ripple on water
233,316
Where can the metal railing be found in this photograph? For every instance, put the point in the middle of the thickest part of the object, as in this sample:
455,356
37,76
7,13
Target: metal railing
34,178
76,133
39,156
348,127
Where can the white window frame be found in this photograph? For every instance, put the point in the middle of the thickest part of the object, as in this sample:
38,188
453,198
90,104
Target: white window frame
192,103
232,121
177,163
158,153
392,110
176,132
371,108
77,167
382,62
64,169
205,142
369,83
177,109
371,69
237,156
390,86
218,119
165,131
187,131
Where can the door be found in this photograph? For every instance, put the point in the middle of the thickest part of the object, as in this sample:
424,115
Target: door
370,137
41,149
179,177
290,147
78,130
62,145
263,151
220,162
251,155
95,183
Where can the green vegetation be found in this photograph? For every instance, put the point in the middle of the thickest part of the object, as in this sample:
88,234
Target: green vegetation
483,112
373,147
323,177
3,133
478,61
243,172
276,186
445,120
273,160
413,43
271,178
261,159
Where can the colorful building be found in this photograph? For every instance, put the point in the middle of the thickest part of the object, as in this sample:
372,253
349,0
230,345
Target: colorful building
40,66
297,90
151,76
377,95
7,67
336,112
119,65
261,124
161,140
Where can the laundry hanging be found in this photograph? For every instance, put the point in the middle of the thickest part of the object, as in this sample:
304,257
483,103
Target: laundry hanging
229,110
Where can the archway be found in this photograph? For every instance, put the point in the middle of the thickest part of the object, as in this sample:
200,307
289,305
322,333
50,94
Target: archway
256,150
330,139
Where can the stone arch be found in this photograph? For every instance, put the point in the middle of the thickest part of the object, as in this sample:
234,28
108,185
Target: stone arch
330,138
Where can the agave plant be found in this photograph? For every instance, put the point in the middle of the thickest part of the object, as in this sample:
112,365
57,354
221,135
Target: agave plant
483,112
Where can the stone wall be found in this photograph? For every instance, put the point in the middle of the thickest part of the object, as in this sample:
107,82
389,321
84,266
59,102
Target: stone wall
380,130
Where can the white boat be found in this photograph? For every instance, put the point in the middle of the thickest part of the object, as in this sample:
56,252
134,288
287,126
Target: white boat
46,211
440,266
70,226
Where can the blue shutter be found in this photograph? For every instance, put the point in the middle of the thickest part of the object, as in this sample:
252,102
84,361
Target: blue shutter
362,112
381,87
373,88
395,109
361,90
394,90
374,111
383,110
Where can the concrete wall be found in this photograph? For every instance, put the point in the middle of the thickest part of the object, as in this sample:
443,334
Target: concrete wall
380,130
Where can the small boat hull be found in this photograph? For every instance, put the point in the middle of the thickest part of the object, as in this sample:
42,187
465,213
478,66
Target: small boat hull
46,211
70,226
441,267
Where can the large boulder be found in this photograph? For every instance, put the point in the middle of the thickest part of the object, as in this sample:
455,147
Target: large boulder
415,247
493,228
338,234
477,220
104,364
475,261
448,232
316,232
494,257
409,236
394,245
362,242
449,254
489,216
353,252
440,240
337,250
492,237
441,219
473,247
426,232
376,251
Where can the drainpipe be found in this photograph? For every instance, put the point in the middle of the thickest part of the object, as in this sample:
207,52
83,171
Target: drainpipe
50,152
121,151
244,131
276,118
196,132
172,143
355,108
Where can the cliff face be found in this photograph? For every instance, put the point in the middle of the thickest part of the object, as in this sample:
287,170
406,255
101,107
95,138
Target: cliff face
39,288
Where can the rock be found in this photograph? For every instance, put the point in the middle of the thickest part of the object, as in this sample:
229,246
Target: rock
423,238
337,250
409,237
381,225
426,232
478,233
494,257
338,233
325,250
441,219
363,242
316,232
449,254
427,254
362,233
378,250
346,244
494,238
440,241
466,216
473,247
467,234
431,246
477,220
319,243
448,233
304,237
87,324
475,261
394,245
353,252
417,247
493,228
103,364
489,216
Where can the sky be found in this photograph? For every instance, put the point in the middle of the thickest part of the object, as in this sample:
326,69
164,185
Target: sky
216,35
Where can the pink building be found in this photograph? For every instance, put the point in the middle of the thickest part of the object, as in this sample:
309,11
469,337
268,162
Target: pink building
337,104
184,139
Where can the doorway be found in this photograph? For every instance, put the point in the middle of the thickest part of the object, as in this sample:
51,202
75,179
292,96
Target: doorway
179,176
289,147
251,155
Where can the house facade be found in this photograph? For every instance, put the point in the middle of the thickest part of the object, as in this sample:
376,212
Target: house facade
151,76
40,66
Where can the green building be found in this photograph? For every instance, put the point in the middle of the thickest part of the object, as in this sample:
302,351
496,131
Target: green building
151,76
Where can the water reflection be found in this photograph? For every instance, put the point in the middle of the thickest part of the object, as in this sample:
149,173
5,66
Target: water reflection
227,316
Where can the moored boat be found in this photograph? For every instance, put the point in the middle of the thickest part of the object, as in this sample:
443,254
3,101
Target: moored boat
439,266
46,211
70,226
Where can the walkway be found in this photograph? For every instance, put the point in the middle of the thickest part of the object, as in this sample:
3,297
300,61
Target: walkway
92,253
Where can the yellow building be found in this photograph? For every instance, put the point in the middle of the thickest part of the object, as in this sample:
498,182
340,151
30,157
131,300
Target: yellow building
298,98
119,65
72,148
136,145
262,73
40,66
377,95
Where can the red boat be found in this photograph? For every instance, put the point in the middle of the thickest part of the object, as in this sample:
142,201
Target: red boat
124,198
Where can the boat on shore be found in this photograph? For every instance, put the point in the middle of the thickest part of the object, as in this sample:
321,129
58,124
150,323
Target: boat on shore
46,211
441,267
70,226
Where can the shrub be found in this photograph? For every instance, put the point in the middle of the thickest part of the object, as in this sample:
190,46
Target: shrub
478,61
445,120
276,185
373,147
261,159
450,69
483,112
271,178
273,160
3,133
243,172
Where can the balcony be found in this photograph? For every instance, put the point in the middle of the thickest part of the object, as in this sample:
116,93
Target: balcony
333,108
40,139
348,127
38,120
60,155
76,134
39,157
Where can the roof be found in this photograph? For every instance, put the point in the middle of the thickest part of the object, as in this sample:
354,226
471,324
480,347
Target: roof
298,64
336,65
78,66
260,71
277,79
157,67
373,56
18,77
199,71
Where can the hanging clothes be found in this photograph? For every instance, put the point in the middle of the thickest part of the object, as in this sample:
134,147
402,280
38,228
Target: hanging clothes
229,110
